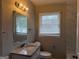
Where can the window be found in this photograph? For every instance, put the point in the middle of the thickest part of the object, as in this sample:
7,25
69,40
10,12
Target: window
49,24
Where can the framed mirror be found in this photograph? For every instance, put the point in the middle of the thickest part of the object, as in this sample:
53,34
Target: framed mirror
19,26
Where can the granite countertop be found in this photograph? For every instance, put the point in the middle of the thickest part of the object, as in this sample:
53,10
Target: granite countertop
28,50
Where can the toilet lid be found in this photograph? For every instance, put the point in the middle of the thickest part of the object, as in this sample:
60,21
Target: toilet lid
45,53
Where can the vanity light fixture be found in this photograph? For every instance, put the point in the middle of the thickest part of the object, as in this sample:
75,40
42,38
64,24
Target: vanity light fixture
21,6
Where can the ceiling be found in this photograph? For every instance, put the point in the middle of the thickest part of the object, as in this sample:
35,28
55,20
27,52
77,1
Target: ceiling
43,2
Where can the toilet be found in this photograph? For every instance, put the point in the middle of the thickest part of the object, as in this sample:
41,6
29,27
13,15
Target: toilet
45,55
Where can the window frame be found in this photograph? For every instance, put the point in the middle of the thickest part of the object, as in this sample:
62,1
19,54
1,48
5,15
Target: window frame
50,13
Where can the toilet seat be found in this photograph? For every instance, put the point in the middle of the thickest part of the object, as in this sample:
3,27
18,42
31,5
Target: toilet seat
45,54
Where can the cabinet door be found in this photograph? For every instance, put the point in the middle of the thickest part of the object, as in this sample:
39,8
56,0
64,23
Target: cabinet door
36,55
15,56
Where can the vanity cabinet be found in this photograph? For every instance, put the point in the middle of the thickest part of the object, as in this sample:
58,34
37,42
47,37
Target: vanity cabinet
34,54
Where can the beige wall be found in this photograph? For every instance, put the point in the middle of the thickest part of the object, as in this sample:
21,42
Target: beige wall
71,25
0,28
56,45
66,43
77,42
8,6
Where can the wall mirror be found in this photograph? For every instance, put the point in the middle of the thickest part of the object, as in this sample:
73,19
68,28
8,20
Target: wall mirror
19,26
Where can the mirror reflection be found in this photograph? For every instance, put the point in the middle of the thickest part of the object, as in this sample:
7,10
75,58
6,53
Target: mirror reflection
21,25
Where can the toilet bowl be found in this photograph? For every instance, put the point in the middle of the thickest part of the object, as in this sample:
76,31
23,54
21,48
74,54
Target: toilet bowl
45,55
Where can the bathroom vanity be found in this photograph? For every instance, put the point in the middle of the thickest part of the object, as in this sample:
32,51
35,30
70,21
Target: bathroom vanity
31,51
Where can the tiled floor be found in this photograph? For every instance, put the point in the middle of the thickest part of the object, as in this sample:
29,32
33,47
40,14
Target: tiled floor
4,57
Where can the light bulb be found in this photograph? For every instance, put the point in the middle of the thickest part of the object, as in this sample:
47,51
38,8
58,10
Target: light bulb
27,9
20,5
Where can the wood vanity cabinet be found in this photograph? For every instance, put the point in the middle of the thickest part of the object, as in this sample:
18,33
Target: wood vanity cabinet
34,55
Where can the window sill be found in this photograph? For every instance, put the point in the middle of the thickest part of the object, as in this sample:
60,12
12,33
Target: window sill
41,35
